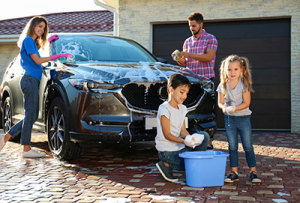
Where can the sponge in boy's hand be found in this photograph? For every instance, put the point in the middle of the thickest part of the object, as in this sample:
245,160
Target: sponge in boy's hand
193,140
198,138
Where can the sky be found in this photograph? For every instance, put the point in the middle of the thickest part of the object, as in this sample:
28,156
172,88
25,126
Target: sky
23,8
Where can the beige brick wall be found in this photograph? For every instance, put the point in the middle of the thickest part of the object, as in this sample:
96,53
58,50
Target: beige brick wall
7,53
136,19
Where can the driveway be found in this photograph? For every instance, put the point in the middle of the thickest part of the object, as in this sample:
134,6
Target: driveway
127,173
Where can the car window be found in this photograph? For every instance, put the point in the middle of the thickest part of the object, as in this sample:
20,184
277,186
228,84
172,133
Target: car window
101,48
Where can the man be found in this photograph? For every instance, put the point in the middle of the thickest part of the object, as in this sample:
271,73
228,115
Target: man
199,51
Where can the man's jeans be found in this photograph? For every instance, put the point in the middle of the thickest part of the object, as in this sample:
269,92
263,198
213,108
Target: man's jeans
30,89
176,162
242,125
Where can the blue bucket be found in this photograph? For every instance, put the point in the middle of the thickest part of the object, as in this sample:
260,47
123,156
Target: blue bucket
204,168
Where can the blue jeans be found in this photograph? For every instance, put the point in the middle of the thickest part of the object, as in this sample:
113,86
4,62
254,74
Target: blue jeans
30,89
176,162
242,125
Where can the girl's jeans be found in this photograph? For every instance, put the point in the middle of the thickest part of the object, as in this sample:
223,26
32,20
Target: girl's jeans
176,162
242,125
30,89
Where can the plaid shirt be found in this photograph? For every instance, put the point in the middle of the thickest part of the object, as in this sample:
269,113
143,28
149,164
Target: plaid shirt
199,46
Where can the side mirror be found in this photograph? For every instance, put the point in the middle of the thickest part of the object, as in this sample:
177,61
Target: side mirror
162,60
46,64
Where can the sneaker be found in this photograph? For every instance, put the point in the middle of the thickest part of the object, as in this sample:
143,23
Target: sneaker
2,143
231,177
166,172
210,147
254,178
33,154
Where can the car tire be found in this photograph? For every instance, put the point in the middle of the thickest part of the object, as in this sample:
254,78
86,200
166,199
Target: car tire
7,119
59,141
1,122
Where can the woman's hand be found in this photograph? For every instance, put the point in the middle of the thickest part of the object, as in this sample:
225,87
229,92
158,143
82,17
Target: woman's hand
60,55
53,38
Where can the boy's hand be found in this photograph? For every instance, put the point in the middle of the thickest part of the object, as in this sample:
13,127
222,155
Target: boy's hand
198,139
188,140
193,140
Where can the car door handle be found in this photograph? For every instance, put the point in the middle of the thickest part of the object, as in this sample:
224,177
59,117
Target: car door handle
12,75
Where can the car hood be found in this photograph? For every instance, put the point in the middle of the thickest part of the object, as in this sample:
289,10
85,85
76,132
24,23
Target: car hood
130,72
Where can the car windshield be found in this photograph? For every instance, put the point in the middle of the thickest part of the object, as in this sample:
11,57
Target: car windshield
101,48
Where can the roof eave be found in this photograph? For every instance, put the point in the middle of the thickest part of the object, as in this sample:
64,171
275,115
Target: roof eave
12,39
9,39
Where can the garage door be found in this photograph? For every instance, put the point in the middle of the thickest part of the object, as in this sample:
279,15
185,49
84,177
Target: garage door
266,43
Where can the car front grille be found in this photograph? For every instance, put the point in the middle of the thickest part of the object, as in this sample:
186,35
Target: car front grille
149,97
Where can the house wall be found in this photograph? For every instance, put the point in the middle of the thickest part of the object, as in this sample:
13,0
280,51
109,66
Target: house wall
7,53
137,17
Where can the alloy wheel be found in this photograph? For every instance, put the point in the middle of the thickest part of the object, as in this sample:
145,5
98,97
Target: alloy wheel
7,116
57,131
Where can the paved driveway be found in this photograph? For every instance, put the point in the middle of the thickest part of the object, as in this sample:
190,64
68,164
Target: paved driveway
127,173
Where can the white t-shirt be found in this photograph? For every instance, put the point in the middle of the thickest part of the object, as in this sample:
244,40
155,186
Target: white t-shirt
234,97
176,117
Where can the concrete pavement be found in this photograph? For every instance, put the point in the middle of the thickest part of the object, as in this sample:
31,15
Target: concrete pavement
127,173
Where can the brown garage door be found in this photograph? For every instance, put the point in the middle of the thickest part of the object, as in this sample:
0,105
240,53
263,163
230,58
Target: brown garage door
266,43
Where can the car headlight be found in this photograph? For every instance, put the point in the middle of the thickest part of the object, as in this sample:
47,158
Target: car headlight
92,86
209,86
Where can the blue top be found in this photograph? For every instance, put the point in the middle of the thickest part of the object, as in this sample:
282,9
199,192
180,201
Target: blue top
31,68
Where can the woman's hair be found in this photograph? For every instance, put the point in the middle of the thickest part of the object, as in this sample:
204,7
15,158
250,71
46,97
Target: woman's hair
29,30
177,80
245,76
198,17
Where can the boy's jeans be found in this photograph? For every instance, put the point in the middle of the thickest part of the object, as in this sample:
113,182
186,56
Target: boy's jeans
242,125
30,89
176,162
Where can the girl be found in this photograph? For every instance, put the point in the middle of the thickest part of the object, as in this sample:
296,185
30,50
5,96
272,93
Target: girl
33,37
172,136
234,99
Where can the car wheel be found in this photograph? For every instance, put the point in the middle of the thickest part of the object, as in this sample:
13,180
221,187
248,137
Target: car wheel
7,119
59,141
1,124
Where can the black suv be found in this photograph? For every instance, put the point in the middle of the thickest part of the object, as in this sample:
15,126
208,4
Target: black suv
110,95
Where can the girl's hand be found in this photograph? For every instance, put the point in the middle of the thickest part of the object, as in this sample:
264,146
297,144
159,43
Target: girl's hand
60,55
229,109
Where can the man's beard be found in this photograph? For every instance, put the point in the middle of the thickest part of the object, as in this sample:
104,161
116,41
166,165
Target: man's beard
195,33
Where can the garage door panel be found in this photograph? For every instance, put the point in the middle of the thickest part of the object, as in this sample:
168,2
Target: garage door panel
249,29
270,106
275,76
171,32
261,60
257,121
274,91
274,121
161,48
253,45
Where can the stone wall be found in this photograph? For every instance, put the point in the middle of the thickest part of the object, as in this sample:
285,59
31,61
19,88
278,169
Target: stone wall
7,54
137,17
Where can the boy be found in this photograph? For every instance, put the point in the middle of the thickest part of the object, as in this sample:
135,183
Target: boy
171,132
